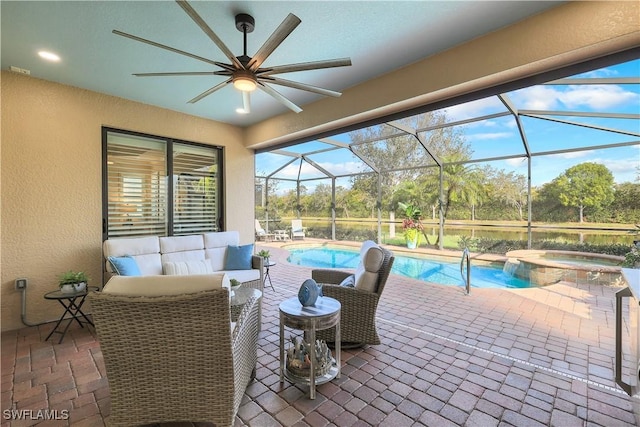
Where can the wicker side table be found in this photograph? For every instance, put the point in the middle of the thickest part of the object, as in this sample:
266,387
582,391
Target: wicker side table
323,315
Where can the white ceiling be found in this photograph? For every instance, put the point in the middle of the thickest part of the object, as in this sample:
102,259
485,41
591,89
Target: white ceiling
378,36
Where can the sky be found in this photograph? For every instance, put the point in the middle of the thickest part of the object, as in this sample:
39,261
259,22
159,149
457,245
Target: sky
500,136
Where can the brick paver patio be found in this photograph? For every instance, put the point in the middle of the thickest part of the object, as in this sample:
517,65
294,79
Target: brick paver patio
525,357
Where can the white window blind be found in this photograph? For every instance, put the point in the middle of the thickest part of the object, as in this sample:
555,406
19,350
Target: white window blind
138,198
196,189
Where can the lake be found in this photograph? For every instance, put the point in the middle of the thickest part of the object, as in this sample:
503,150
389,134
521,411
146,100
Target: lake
593,236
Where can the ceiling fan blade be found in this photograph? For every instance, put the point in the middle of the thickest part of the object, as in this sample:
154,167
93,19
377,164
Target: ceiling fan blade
209,32
305,66
210,91
301,86
246,102
271,91
178,73
282,32
162,46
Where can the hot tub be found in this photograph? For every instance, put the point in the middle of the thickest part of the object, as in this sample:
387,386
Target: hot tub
545,267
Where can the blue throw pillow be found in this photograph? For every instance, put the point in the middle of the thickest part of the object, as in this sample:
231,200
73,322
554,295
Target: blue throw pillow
349,281
239,257
124,266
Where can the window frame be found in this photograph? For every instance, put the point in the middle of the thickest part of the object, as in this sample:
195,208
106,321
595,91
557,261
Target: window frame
169,166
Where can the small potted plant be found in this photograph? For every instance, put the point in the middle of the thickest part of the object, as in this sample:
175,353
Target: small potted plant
411,225
235,284
73,281
265,254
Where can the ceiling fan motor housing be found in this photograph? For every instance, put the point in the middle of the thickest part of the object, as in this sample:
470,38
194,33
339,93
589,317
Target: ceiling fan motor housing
245,23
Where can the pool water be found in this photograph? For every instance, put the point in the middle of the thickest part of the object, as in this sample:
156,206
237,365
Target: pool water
429,270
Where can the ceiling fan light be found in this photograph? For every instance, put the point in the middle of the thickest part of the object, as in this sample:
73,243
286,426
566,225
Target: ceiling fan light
244,82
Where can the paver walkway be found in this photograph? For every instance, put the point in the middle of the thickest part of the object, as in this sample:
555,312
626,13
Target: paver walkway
526,357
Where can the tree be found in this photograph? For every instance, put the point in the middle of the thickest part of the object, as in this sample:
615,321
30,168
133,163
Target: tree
587,185
389,149
511,188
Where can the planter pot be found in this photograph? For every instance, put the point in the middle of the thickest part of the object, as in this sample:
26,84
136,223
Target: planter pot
71,288
412,240
67,289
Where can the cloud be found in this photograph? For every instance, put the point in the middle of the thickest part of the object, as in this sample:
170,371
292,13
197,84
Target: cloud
308,171
517,162
573,154
618,166
536,98
595,97
488,135
601,73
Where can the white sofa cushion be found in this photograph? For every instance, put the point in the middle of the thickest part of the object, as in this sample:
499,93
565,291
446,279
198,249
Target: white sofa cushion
144,250
216,256
366,274
243,275
221,239
182,248
131,246
165,285
149,264
187,267
197,255
181,243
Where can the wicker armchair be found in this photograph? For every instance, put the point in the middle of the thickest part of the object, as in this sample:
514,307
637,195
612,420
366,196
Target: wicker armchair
175,358
358,321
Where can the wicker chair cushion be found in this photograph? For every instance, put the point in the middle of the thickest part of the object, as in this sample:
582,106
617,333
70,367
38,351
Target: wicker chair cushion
366,275
165,285
187,267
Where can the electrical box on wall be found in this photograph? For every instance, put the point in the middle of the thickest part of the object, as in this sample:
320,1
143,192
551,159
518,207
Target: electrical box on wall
21,284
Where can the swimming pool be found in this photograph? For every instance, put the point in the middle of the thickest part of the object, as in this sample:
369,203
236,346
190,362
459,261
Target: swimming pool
430,270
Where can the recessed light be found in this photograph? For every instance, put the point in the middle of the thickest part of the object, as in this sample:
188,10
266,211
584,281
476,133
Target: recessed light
49,56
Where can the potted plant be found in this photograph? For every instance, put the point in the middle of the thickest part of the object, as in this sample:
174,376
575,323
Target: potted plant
73,281
235,284
264,254
411,224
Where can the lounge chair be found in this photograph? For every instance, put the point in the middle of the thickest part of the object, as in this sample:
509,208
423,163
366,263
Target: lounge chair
297,230
360,302
262,235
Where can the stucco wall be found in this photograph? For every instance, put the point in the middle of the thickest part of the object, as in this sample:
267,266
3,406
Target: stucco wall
50,203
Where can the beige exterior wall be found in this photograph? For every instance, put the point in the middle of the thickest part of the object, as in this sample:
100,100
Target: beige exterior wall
571,33
50,204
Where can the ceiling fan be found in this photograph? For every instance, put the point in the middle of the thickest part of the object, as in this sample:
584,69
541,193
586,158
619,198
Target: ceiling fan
245,72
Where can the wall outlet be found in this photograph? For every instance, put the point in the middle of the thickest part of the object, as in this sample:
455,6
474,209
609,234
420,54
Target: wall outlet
21,284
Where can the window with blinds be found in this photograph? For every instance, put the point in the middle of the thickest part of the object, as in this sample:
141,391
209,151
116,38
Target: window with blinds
139,198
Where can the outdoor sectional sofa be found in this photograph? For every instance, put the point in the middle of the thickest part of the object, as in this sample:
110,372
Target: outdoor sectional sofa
181,255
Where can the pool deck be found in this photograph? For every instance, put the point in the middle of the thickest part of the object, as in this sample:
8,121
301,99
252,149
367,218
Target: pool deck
497,357
535,356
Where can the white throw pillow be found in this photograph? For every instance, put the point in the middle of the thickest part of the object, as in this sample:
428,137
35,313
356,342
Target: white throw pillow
184,268
371,258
